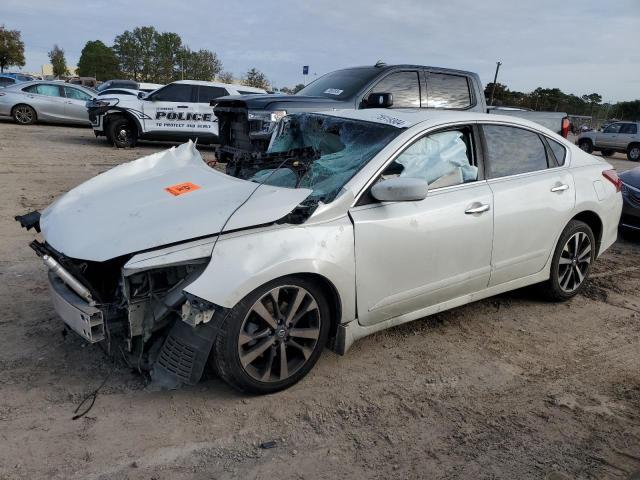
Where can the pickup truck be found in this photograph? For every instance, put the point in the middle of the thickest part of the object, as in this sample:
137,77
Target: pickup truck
246,123
623,137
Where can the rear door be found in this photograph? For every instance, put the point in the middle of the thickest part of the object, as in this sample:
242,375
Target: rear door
628,133
48,100
444,90
533,199
609,137
207,122
170,110
75,104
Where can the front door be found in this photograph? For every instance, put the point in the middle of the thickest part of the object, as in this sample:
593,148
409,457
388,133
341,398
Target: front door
411,255
169,110
75,108
533,200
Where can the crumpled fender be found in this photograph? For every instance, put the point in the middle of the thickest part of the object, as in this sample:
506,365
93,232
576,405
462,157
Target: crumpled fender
243,262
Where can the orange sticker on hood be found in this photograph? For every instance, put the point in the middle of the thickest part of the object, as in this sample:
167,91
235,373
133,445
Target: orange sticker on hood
181,188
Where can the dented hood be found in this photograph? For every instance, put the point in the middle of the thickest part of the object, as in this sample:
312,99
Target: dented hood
164,198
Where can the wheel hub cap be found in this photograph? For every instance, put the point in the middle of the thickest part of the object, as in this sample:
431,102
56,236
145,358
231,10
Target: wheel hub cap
574,263
279,334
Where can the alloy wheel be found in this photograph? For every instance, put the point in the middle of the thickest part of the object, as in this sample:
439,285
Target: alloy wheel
634,153
279,333
24,115
574,262
124,135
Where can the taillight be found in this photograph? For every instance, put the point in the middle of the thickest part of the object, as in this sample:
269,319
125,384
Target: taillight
565,127
612,176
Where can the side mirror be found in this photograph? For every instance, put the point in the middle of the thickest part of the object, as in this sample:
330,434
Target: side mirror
380,100
141,95
400,189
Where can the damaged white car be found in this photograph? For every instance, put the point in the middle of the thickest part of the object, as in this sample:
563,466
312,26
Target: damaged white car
351,222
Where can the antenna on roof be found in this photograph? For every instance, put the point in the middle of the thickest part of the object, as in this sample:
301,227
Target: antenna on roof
380,63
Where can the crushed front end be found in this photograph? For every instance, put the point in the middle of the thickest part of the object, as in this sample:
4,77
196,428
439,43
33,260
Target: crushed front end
144,316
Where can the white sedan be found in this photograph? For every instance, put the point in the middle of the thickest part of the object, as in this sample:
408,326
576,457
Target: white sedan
353,222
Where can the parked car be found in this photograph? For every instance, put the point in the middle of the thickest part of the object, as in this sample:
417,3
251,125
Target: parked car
88,82
623,137
57,102
130,84
118,91
22,77
149,87
178,111
6,80
630,219
248,123
353,221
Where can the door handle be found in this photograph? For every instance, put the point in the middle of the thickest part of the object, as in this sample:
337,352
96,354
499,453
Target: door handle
560,188
183,106
478,208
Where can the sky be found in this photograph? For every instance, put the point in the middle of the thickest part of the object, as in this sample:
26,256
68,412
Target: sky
580,46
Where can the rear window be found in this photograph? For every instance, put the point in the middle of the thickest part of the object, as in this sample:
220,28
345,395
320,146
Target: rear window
558,151
6,81
206,94
447,91
513,150
48,90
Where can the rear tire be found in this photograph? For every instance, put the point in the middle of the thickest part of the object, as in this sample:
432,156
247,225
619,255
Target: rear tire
122,133
606,153
571,262
586,145
24,114
633,152
261,348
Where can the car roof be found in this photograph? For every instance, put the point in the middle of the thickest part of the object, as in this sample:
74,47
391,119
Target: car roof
220,84
58,83
407,118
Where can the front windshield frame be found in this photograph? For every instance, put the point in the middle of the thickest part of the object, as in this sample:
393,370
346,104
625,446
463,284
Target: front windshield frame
343,146
335,80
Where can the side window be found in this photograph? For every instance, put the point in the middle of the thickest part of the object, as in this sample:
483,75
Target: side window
4,81
76,94
558,151
513,150
48,90
206,94
176,92
629,128
404,86
442,159
614,128
447,91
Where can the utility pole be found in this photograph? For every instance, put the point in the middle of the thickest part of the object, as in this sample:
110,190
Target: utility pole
495,79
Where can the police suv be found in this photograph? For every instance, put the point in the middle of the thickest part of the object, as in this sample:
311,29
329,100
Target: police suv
178,111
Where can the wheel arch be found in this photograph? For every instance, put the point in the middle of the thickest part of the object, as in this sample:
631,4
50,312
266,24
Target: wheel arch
27,105
594,221
113,115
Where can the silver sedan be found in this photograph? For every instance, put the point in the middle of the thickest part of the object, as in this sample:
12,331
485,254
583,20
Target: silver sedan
58,102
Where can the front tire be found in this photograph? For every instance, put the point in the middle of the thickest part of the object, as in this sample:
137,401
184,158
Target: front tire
633,152
24,115
273,337
586,145
606,153
571,262
122,133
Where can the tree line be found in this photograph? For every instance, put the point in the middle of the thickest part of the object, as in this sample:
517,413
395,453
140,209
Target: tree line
146,55
554,99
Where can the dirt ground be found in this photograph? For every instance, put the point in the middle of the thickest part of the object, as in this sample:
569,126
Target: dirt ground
510,387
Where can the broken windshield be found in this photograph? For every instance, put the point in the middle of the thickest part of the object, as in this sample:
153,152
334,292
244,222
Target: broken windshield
343,147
